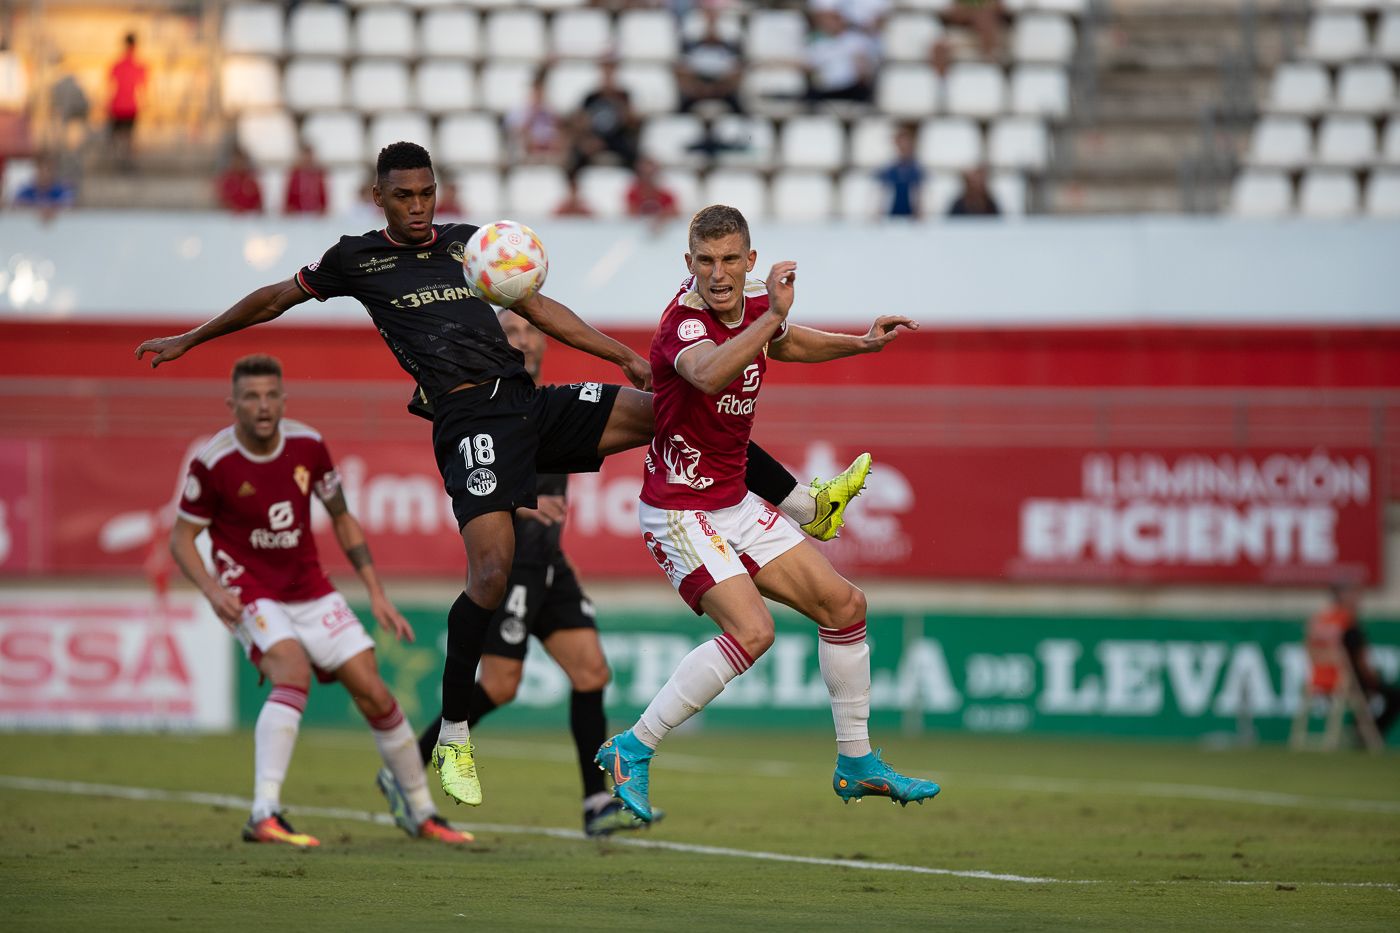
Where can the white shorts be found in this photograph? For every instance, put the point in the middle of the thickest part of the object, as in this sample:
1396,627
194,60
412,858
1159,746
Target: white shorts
327,629
697,549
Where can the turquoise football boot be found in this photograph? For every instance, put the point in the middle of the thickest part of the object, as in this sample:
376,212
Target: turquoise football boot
868,776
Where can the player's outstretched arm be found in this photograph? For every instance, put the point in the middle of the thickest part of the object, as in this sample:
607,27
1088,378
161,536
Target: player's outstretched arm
352,541
808,345
710,368
227,606
255,308
561,323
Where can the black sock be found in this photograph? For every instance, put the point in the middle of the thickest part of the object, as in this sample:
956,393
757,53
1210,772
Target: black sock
467,625
589,725
428,738
767,478
480,705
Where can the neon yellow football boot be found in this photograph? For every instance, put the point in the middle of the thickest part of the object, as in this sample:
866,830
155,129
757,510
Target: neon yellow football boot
454,763
834,495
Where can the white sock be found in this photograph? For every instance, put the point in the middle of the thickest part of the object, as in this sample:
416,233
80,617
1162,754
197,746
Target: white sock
398,746
799,505
595,802
274,737
453,733
844,657
698,679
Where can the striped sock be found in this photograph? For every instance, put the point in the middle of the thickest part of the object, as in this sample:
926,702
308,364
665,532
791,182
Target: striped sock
844,657
399,749
698,679
274,738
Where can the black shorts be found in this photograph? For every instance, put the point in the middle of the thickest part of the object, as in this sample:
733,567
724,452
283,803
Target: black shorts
539,601
492,439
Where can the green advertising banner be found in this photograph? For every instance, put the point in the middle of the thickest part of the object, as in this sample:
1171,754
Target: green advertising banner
1156,676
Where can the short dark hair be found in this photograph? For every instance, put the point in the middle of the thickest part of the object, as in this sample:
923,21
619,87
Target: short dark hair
257,364
715,221
401,156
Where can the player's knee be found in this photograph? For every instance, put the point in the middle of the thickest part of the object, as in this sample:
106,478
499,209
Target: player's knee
755,640
487,584
853,607
501,687
375,702
590,676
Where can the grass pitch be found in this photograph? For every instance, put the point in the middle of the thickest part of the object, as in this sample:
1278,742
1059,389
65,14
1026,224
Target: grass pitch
1031,834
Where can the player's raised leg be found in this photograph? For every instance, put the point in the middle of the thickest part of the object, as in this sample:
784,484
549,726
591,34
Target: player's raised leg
804,579
286,667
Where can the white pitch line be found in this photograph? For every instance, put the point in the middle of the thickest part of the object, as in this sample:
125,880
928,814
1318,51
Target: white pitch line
122,792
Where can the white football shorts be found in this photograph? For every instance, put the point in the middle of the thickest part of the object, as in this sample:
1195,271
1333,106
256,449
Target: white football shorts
697,549
327,629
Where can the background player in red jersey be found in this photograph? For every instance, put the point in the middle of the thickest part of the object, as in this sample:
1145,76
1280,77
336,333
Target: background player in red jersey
723,548
251,487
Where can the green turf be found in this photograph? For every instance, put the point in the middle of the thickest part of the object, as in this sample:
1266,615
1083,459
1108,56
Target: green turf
1160,862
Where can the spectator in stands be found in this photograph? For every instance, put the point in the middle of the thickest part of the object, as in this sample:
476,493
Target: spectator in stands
986,18
866,15
46,193
68,109
237,185
535,133
903,178
710,67
449,204
976,199
127,78
605,128
306,185
573,204
841,59
1338,621
647,197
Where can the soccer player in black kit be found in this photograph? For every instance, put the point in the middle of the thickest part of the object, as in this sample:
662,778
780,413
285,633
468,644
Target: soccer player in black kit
493,428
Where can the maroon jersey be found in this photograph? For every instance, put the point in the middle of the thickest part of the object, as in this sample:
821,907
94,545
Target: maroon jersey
700,450
258,511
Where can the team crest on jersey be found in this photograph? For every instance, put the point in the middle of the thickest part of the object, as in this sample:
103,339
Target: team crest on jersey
690,329
481,482
192,488
303,478
246,490
513,630
457,250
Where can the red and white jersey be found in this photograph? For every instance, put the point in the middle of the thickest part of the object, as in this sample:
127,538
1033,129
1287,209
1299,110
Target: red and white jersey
258,511
700,451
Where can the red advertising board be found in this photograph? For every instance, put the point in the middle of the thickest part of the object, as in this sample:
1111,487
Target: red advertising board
1256,515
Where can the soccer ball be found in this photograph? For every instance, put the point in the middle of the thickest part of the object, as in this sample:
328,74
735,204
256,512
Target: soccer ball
505,262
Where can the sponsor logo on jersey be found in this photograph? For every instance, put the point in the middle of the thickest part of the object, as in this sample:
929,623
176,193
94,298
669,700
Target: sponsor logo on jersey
589,391
733,405
314,266
379,263
281,515
426,296
751,378
512,630
690,329
481,482
265,540
246,490
457,250
682,463
425,255
192,488
302,477
338,619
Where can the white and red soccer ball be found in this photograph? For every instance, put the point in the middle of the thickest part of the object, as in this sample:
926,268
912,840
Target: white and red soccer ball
505,262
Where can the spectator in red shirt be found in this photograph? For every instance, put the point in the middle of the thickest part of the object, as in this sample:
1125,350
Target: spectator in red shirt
239,191
306,185
647,197
128,79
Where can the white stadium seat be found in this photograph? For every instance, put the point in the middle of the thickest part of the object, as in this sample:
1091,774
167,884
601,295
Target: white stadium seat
651,85
1383,194
534,191
647,35
253,29
1336,37
753,141
775,36
667,138
505,85
336,136
976,89
1390,142
272,185
568,83
469,139
1043,37
940,190
1072,7
319,29
908,36
1020,143
933,6
379,85
515,34
450,33
269,137
950,143
730,25
859,196
314,84
1329,193
872,142
557,4
1010,191
1280,142
1300,87
1257,193
774,89
802,196
685,185
816,141
1366,88
604,189
583,33
344,196
443,85
1346,141
479,191
386,31
386,128
912,91
249,83
1388,36
737,188
1040,90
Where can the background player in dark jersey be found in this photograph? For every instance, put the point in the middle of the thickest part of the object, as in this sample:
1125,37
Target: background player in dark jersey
251,488
544,599
493,428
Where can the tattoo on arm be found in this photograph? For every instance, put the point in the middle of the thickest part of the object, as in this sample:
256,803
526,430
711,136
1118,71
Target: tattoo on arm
335,504
359,556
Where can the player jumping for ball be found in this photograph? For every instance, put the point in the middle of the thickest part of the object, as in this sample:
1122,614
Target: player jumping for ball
493,428
721,547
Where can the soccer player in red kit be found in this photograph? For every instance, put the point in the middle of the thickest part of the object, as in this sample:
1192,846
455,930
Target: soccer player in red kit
251,488
723,548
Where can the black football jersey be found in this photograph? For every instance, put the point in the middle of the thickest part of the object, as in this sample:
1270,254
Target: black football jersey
441,334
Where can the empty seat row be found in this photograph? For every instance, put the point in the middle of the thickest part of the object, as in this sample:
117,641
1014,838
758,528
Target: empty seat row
1307,88
1341,36
1344,140
340,137
1321,193
975,89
